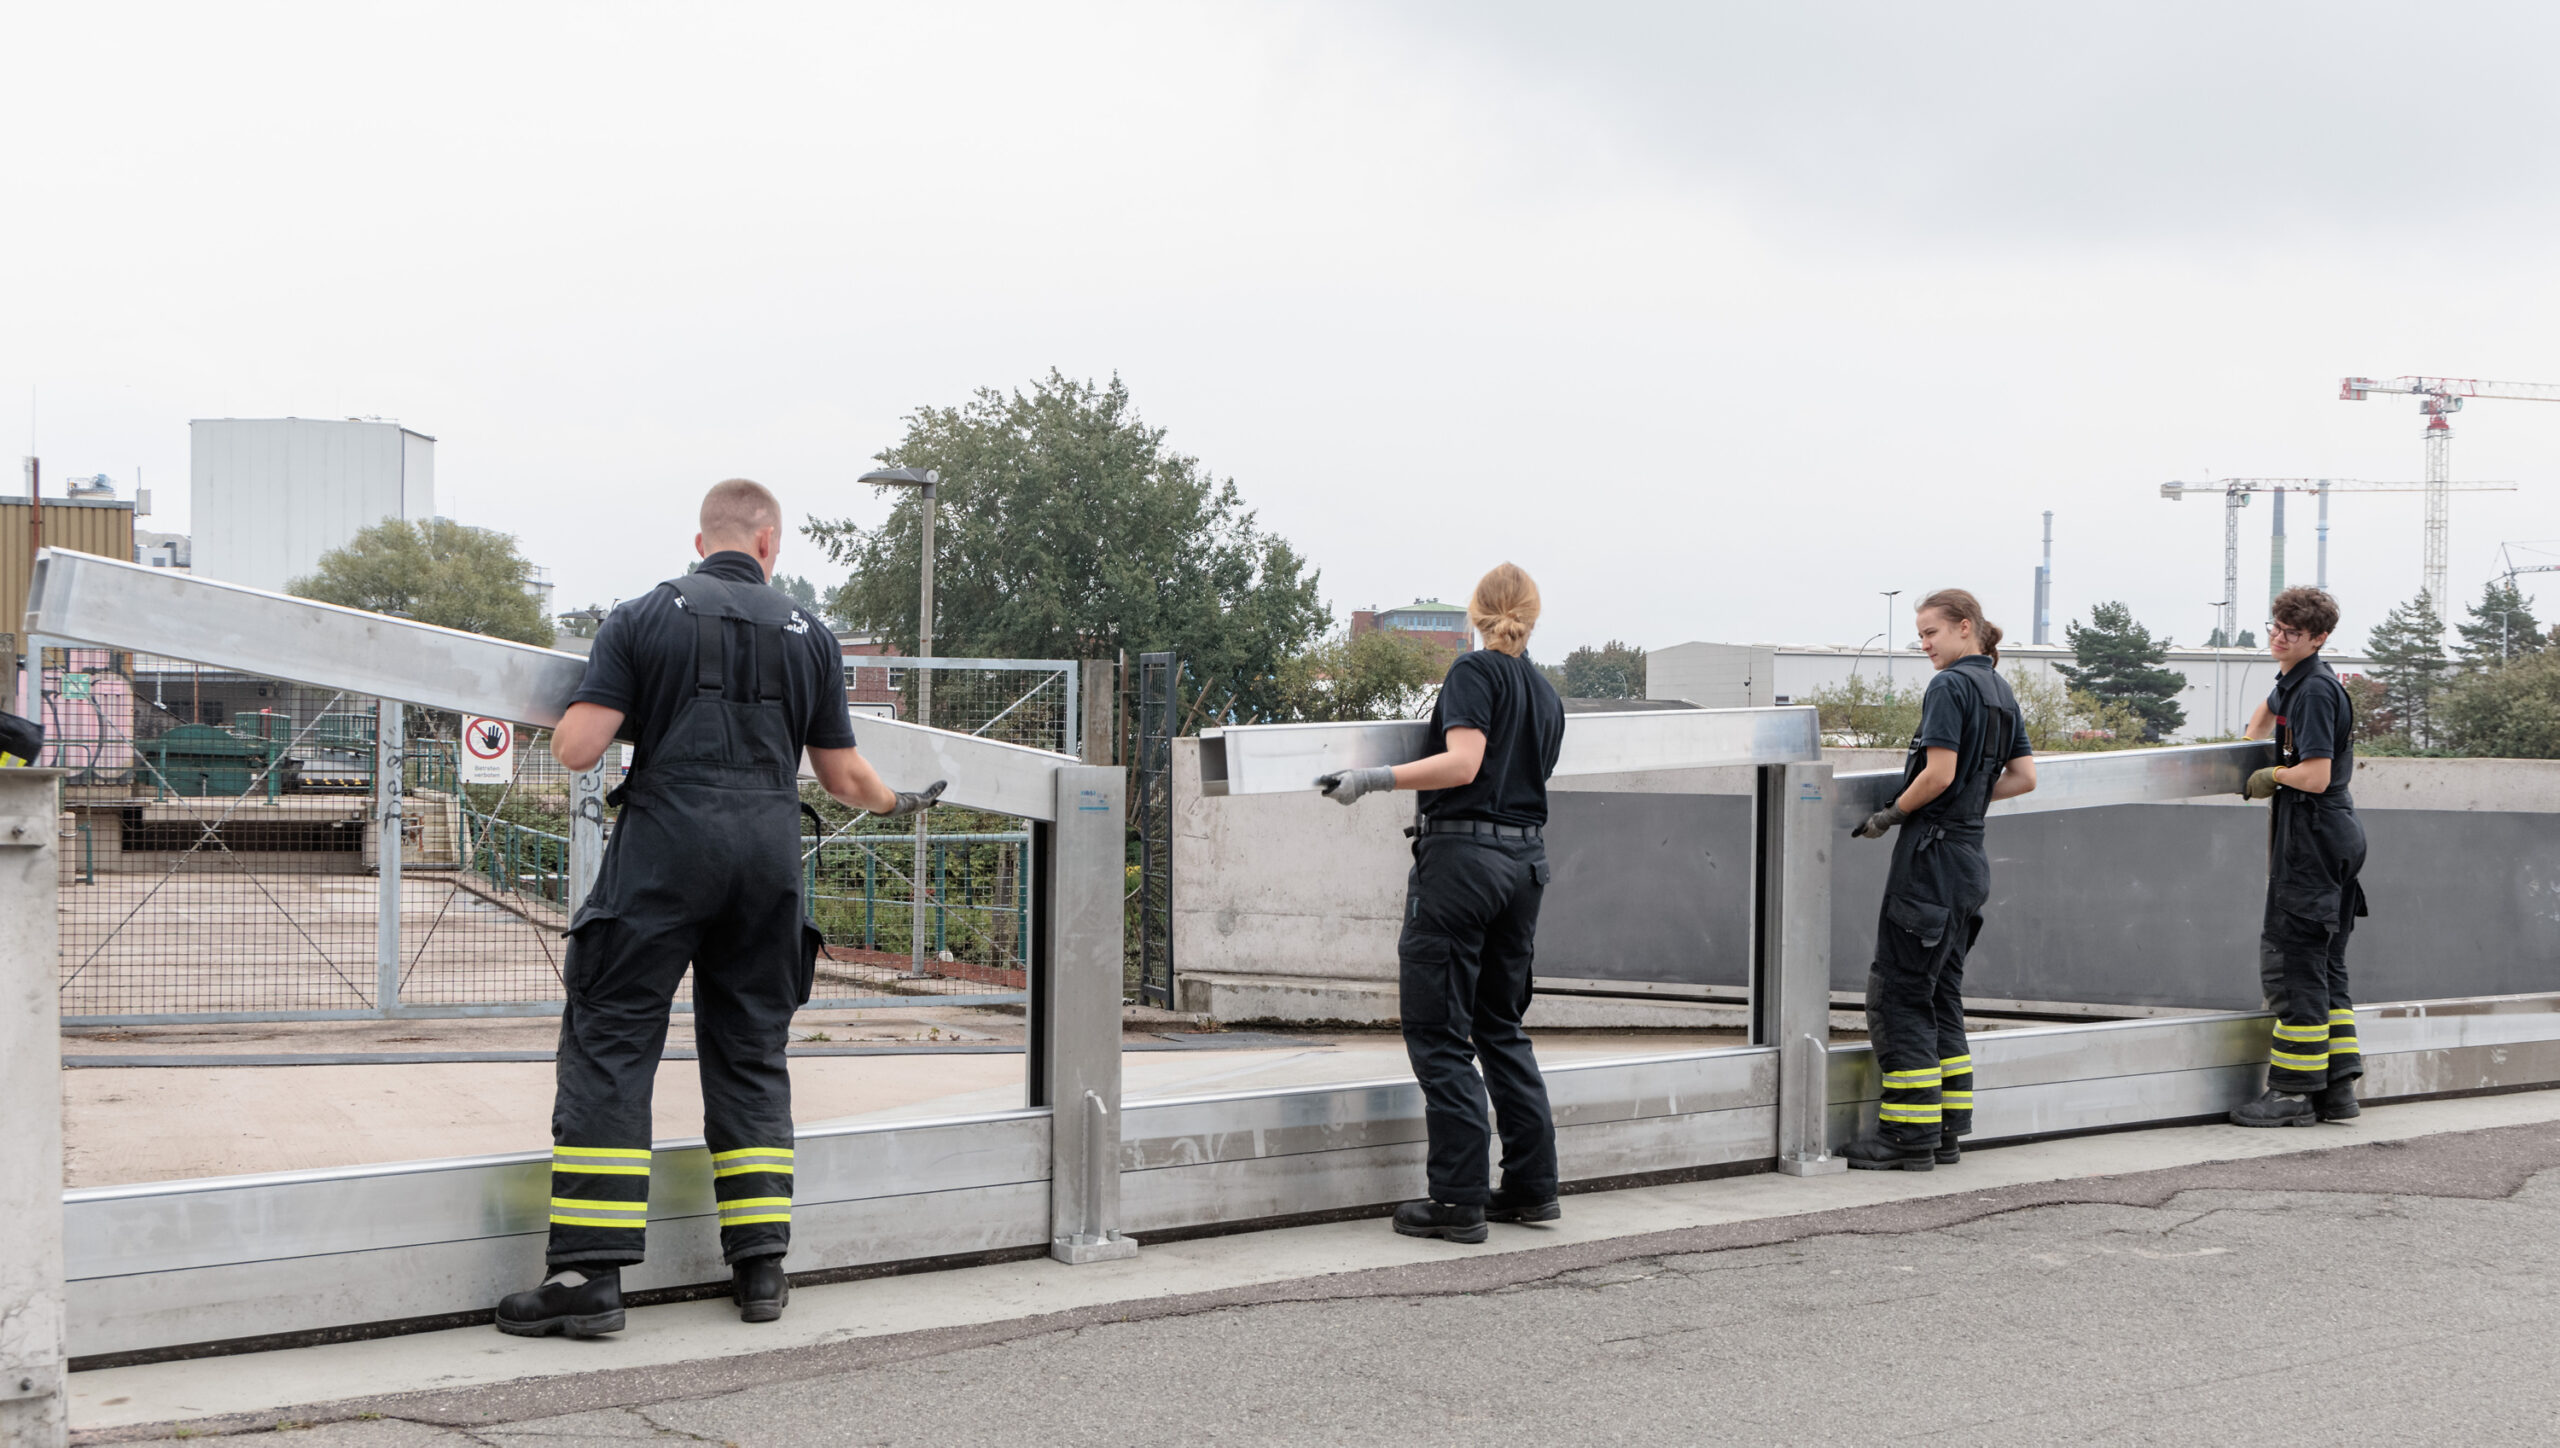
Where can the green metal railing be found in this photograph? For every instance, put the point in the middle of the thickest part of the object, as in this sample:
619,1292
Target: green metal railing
977,888
516,859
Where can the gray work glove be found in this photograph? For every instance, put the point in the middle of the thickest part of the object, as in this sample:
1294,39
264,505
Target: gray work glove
1879,823
2262,784
915,801
1347,786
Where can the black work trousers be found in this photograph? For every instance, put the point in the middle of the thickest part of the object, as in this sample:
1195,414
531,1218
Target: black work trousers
713,883
1465,958
1931,917
2314,894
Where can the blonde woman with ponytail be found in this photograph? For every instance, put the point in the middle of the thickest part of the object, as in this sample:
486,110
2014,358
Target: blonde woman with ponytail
1971,750
1471,915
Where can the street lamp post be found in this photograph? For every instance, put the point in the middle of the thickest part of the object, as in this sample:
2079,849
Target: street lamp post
923,480
1888,635
2221,611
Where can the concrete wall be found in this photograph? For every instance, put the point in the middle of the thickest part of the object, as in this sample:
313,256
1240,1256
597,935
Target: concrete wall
1292,904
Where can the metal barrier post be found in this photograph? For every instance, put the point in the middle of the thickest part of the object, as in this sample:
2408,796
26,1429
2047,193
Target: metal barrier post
586,831
388,752
32,1406
1076,1016
1791,978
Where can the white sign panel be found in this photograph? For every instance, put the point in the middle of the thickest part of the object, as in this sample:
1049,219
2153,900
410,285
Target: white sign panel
488,750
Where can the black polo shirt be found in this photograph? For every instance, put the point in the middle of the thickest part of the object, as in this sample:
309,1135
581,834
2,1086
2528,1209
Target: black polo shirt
643,665
1523,722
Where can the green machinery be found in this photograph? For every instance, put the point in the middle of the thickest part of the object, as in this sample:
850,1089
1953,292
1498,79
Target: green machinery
206,759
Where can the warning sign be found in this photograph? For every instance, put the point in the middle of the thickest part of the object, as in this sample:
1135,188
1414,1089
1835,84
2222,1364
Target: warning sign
488,750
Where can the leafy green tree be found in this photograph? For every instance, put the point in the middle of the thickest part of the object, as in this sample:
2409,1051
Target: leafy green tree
1865,713
2407,649
1069,530
1614,670
439,572
1383,674
2507,713
2371,704
2119,664
2060,720
2502,627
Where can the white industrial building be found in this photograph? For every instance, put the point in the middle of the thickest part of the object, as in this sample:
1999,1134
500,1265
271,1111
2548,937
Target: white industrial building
270,495
2223,685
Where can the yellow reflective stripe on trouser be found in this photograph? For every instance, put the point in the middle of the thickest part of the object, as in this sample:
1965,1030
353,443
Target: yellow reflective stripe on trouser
586,1212
2319,1032
1929,1115
1920,1080
2345,1046
1956,1100
1955,1065
746,1210
751,1158
2290,1062
601,1160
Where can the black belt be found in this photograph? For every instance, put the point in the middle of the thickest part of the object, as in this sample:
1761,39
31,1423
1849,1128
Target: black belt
1477,827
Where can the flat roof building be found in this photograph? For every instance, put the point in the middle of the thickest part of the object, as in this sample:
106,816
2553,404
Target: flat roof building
270,495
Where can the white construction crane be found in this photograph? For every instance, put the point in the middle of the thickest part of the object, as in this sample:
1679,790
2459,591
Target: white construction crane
2235,496
2438,399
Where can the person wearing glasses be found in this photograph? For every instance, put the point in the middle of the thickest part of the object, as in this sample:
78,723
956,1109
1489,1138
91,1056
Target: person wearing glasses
2315,853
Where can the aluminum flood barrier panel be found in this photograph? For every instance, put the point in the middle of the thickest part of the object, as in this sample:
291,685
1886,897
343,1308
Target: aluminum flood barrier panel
1220,1160
2060,1080
1277,758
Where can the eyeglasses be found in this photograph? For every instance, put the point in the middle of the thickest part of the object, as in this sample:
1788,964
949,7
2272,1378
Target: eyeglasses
2279,633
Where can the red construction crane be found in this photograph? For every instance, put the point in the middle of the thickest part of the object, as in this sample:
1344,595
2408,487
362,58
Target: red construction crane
2439,398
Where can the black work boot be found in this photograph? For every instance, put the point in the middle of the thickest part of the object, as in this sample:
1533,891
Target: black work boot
1950,1149
1879,1153
2277,1108
1428,1218
1510,1206
570,1301
760,1288
2337,1101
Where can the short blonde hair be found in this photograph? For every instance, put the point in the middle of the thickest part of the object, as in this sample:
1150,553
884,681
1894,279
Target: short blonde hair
1504,608
737,509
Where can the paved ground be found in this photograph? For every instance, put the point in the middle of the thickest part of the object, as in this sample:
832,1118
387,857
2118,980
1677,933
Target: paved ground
2395,1289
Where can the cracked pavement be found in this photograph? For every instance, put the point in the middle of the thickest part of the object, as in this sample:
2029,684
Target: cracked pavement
2403,1287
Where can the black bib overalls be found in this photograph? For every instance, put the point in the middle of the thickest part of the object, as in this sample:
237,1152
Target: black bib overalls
2315,852
703,869
1932,914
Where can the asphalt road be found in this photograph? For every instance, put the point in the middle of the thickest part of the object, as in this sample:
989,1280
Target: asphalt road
2393,1292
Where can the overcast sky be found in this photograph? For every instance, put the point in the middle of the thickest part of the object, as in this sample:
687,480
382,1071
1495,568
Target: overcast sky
1717,318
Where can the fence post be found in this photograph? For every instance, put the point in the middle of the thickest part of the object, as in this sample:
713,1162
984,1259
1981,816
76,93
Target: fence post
1076,1016
586,831
389,750
1791,978
32,1407
1093,711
